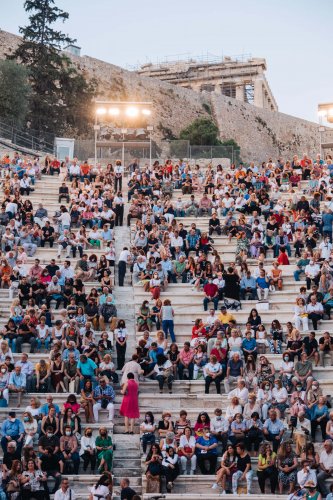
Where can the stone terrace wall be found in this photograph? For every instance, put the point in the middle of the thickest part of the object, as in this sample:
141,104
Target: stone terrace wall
260,133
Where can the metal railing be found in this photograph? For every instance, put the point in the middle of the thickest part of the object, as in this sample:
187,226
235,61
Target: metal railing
28,139
183,149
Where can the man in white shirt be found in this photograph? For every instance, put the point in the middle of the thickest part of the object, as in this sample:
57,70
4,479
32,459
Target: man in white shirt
11,208
325,248
241,392
124,257
220,283
74,171
66,270
118,176
211,318
25,185
306,474
315,311
325,466
219,427
107,215
312,272
176,241
65,492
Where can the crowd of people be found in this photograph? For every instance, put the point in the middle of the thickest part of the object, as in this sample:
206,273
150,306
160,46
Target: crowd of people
278,406
276,409
52,312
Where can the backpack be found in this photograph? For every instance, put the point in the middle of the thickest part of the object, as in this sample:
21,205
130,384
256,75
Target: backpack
232,304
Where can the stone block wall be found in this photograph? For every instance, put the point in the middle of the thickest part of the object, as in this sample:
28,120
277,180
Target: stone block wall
260,133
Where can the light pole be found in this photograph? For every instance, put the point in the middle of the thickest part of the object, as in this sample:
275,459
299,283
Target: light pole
325,114
123,131
98,112
150,129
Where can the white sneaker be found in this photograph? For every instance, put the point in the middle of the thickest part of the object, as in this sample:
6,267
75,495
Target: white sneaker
215,486
223,492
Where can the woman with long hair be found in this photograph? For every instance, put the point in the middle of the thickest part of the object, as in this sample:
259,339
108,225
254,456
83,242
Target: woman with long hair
267,468
87,400
101,490
226,470
287,466
154,469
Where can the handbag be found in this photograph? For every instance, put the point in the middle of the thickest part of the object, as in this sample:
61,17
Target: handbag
71,386
187,449
104,403
13,488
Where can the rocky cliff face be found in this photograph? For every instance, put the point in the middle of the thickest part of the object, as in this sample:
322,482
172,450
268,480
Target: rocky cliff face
259,133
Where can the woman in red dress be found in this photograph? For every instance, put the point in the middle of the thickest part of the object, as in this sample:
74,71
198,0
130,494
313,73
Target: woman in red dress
130,404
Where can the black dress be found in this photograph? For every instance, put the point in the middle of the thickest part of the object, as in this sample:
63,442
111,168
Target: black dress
231,289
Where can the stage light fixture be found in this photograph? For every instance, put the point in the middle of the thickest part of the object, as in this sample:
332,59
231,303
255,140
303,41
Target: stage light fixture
114,111
132,112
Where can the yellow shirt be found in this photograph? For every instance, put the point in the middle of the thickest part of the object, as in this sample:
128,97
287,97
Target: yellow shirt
225,318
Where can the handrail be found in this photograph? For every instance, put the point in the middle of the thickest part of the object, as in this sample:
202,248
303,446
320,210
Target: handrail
23,138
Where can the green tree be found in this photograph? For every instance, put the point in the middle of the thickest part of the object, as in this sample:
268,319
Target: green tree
54,79
203,131
14,93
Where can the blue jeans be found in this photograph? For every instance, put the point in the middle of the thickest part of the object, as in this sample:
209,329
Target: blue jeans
236,477
148,438
297,274
215,301
167,325
47,341
12,345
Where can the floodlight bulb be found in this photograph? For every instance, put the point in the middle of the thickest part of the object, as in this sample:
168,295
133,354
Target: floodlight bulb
146,112
114,111
132,112
100,111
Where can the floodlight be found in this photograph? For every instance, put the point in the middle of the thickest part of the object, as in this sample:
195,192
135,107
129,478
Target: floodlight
114,111
132,112
100,111
146,112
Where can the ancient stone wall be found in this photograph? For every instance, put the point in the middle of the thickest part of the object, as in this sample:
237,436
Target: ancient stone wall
260,133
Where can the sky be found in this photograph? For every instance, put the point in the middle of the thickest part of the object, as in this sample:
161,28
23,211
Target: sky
294,36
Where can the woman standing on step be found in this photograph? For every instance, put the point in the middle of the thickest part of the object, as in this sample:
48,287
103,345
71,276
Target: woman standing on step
129,408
